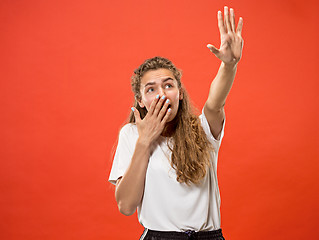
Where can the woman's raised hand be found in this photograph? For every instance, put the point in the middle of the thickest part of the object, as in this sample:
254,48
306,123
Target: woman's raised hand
152,125
231,41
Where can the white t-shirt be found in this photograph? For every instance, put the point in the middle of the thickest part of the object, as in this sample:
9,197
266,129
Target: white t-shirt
168,205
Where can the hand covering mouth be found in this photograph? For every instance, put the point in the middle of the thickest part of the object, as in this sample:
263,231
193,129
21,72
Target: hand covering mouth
169,106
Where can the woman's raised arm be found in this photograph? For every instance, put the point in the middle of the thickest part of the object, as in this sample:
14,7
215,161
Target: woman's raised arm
229,53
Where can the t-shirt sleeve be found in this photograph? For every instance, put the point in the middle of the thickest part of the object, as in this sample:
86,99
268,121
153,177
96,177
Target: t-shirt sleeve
216,142
124,153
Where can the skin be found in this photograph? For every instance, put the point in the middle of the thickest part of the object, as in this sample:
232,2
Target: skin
229,53
161,83
157,87
130,188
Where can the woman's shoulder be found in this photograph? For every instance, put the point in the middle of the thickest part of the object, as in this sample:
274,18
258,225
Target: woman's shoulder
206,127
129,129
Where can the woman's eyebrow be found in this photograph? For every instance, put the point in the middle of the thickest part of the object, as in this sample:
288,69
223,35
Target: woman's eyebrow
149,83
164,80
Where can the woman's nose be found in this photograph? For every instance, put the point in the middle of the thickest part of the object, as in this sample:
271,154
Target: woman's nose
161,92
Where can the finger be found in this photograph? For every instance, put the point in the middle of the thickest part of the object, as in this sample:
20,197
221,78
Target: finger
240,26
213,49
232,19
168,113
164,108
226,17
153,104
159,105
136,115
221,25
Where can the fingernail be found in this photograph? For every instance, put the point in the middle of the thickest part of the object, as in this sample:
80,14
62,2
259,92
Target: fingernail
163,97
169,109
132,109
167,101
157,96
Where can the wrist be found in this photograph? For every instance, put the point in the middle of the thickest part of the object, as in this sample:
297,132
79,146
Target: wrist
229,66
143,142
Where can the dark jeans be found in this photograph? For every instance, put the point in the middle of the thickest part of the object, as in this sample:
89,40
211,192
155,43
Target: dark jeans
188,235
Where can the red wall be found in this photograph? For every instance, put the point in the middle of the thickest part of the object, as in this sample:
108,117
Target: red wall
65,92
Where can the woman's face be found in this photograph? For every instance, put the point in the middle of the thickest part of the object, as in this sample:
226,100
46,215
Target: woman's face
163,83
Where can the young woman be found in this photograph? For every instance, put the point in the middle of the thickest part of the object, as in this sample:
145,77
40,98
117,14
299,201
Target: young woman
165,165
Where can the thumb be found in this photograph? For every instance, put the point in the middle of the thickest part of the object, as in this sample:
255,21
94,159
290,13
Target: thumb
136,114
213,49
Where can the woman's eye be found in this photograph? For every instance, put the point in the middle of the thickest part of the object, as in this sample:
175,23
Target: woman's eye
168,86
150,90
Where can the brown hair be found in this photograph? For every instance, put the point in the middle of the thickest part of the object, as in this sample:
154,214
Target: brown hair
190,147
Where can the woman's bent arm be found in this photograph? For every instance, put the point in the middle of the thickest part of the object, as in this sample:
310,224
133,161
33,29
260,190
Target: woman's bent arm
130,188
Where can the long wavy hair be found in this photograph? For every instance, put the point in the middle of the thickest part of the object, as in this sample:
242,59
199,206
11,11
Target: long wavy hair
190,147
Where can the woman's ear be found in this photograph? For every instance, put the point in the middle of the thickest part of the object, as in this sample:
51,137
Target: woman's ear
140,103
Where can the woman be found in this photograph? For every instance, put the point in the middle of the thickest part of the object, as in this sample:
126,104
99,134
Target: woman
165,164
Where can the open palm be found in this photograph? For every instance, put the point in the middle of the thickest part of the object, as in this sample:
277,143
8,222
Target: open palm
231,41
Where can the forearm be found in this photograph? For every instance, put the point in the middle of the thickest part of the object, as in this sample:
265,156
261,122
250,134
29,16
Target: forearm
130,189
221,86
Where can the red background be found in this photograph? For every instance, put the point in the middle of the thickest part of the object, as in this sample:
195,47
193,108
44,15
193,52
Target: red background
65,92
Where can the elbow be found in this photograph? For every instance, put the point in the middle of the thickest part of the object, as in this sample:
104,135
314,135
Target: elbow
126,209
125,204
